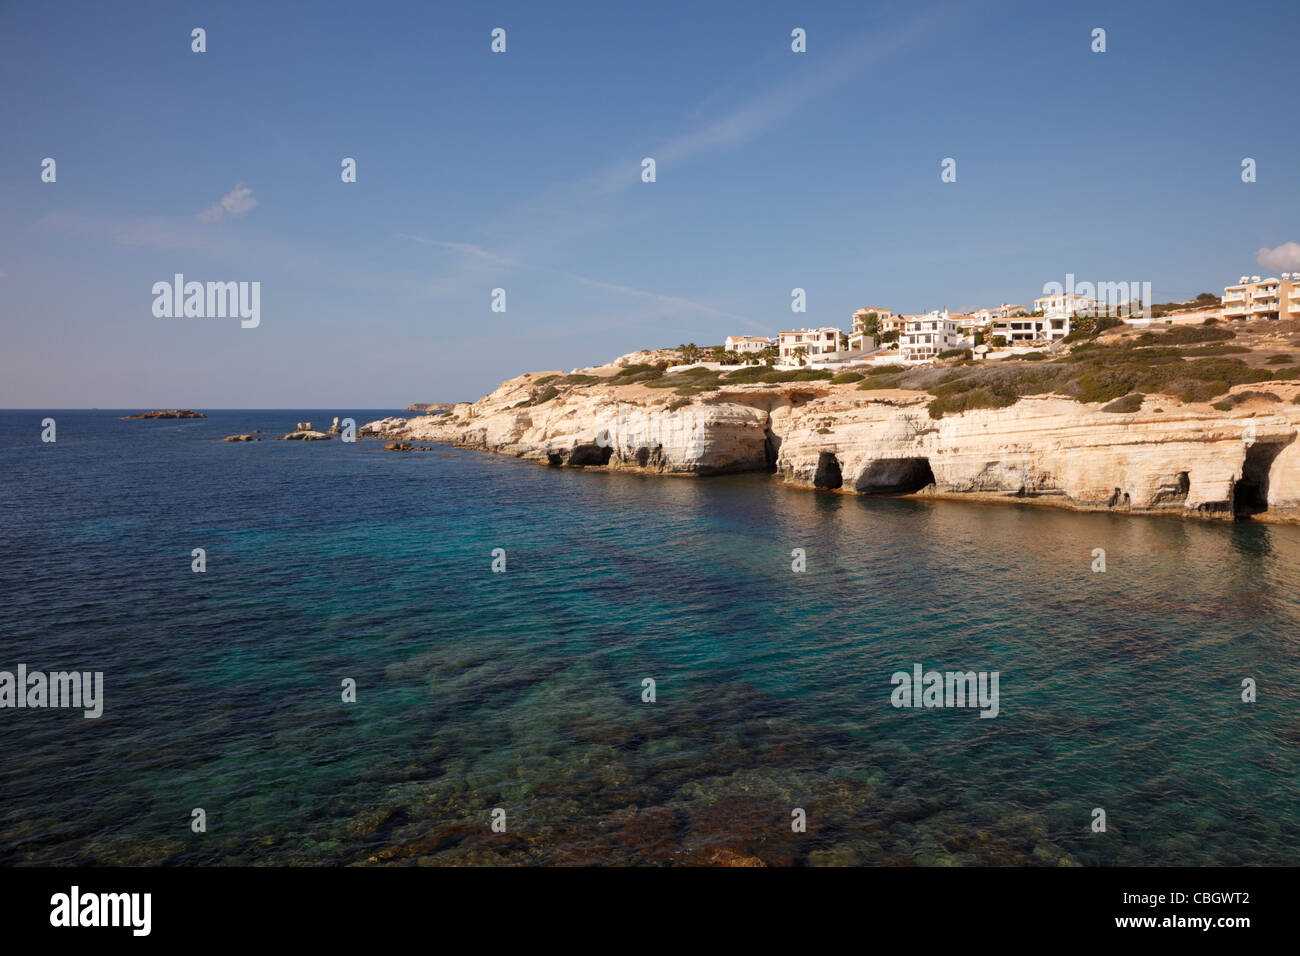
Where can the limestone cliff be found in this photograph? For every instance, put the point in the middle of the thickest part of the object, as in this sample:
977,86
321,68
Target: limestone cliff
1187,459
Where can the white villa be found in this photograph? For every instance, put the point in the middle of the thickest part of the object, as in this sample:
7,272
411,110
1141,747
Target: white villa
742,344
1064,306
1025,329
925,336
859,340
815,343
1004,311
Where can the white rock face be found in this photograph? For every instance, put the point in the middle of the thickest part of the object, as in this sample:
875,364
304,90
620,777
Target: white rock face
1167,457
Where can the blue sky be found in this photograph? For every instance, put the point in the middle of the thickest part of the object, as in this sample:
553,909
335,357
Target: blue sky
521,170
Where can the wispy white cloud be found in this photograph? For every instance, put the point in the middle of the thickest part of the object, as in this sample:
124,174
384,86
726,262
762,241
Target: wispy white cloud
468,248
749,119
569,210
1283,258
234,204
499,263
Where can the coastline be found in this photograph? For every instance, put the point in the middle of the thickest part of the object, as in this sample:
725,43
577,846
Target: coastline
1167,457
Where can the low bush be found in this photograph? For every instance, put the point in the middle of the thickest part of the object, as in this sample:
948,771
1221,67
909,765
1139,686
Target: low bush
539,398
636,373
768,375
1128,404
1217,349
874,382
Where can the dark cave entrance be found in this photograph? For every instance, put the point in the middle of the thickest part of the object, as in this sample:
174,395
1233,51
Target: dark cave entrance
896,476
1250,493
828,473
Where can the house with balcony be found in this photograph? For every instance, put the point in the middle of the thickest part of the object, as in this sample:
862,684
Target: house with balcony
862,341
1031,329
1257,298
925,336
813,344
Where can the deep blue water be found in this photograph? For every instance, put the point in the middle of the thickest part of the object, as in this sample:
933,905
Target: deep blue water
522,690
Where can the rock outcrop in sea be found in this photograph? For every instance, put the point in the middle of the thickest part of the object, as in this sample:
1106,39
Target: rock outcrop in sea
169,413
1166,456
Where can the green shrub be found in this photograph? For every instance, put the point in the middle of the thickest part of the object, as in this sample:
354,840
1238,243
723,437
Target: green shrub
874,382
845,378
688,377
1128,404
677,403
1233,400
1220,349
1188,335
768,375
978,397
1278,359
1289,374
1031,357
580,380
955,353
539,398
1104,385
636,373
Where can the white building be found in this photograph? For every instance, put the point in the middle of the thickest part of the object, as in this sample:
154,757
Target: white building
1065,305
859,339
1027,329
925,336
742,344
1004,311
815,344
1256,298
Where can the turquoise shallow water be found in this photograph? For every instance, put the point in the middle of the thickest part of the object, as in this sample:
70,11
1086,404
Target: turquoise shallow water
522,690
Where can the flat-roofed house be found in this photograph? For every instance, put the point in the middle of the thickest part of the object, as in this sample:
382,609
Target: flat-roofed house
860,340
925,336
815,343
742,344
1257,298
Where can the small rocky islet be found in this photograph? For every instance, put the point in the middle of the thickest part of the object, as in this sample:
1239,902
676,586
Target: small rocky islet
169,413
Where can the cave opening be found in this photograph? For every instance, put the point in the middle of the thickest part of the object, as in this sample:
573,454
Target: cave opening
583,456
1250,493
896,476
828,474
771,449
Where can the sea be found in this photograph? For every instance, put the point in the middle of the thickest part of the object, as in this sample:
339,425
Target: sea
448,657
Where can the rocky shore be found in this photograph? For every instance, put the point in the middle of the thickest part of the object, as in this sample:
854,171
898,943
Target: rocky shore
1235,458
